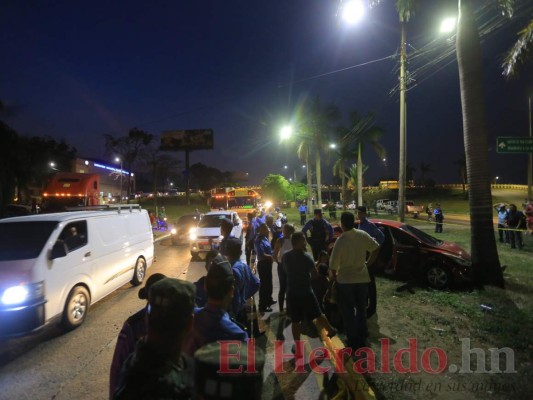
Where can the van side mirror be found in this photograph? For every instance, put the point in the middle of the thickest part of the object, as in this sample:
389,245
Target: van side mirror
58,250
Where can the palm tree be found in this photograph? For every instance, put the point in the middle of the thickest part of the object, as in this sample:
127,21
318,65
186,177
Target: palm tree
424,169
410,172
484,252
343,151
461,162
315,129
364,133
303,153
520,50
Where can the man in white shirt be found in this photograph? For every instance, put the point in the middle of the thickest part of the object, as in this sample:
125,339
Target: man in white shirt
348,266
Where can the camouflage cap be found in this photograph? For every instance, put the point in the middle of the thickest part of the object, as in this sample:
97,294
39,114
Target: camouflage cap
171,302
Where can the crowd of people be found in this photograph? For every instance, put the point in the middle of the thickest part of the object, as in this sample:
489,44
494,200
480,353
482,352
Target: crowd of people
160,346
513,223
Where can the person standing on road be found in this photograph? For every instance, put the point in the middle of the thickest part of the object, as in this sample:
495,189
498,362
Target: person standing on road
439,218
516,222
303,213
134,328
321,233
502,217
212,322
374,232
250,236
301,300
348,268
158,369
283,245
263,250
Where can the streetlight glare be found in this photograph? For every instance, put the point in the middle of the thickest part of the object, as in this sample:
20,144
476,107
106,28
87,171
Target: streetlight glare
117,159
332,146
448,25
286,132
353,11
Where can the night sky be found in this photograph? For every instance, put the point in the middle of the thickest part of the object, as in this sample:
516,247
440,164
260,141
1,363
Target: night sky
78,70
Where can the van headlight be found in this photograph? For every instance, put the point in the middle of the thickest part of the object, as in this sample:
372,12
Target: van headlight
192,234
22,293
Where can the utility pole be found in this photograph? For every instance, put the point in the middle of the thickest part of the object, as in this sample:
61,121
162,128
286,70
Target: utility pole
403,126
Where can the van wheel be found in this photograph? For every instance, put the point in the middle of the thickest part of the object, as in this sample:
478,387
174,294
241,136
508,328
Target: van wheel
76,308
139,272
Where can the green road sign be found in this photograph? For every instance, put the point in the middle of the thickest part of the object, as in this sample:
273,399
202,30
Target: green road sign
514,145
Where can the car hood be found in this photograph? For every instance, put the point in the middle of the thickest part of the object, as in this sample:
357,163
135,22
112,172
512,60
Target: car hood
212,232
455,249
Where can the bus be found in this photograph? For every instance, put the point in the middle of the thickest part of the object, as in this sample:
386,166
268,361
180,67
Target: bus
241,200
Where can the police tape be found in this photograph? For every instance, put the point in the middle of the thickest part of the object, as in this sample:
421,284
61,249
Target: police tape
466,224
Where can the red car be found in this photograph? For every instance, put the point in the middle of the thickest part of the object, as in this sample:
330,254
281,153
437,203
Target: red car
411,253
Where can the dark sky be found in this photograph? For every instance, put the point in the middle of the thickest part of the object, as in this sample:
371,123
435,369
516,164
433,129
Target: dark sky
78,70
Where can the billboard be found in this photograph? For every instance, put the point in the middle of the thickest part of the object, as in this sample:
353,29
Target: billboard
192,139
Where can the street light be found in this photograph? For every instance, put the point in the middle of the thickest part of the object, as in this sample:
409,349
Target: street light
286,132
353,11
448,25
119,160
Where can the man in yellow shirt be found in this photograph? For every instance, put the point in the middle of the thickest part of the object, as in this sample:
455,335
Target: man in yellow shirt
348,266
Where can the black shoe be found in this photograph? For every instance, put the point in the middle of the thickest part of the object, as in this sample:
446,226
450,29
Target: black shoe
266,309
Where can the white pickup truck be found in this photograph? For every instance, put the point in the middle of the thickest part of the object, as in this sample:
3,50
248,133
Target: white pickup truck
410,208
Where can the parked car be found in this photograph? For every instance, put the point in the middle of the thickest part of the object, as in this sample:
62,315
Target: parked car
410,208
380,204
180,232
339,205
207,235
391,206
410,253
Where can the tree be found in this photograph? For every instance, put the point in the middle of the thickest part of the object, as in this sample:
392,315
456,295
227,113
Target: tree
461,163
315,129
353,178
424,169
410,172
8,164
521,50
129,149
276,188
343,152
485,260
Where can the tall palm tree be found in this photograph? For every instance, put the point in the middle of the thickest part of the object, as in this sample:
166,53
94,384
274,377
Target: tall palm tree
461,163
424,169
520,51
484,252
410,172
315,129
303,153
343,151
364,133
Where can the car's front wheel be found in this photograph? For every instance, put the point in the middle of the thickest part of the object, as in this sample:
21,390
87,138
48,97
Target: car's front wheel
76,308
438,276
139,272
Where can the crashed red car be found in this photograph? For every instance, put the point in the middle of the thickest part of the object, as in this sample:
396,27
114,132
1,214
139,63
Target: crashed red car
412,254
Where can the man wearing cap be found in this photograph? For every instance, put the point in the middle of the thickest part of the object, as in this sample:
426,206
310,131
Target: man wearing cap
226,226
134,328
158,369
348,267
375,232
246,283
321,233
212,322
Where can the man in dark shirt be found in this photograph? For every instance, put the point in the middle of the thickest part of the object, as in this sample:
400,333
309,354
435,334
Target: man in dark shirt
263,250
157,369
321,233
301,300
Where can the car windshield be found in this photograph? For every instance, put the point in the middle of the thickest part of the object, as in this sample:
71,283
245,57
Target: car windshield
188,220
24,240
423,236
212,221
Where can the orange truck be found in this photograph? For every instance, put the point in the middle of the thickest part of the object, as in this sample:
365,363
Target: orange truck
71,189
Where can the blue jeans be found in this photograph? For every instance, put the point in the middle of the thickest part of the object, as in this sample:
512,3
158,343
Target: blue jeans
352,299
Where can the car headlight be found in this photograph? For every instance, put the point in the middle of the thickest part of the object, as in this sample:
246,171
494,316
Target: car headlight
173,231
22,293
192,234
460,260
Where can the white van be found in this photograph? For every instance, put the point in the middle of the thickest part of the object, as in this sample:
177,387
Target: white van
53,266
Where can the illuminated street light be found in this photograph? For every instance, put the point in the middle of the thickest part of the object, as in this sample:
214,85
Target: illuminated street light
119,160
286,132
448,25
353,11
332,146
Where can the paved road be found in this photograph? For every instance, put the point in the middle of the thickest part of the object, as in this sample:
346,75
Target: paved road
75,365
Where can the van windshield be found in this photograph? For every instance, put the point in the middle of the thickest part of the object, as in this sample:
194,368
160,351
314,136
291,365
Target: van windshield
24,240
213,221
